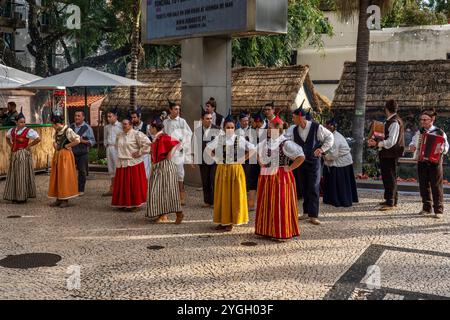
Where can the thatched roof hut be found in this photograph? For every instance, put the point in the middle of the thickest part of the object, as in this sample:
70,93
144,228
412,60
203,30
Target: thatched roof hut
413,84
251,89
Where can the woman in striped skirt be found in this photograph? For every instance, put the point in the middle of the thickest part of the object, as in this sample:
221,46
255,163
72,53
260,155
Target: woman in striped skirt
20,183
163,194
230,195
276,212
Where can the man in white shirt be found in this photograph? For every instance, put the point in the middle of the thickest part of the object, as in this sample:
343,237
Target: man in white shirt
110,132
178,129
390,150
430,174
315,140
211,107
339,177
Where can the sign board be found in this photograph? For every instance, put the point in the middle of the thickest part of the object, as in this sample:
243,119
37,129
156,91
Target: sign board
169,21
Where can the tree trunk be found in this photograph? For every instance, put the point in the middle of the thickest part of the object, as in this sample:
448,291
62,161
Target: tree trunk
135,51
362,70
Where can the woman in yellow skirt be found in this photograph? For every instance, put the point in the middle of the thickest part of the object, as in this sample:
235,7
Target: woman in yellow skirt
63,178
230,195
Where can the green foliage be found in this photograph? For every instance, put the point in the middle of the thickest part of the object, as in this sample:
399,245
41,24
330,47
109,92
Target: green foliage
414,13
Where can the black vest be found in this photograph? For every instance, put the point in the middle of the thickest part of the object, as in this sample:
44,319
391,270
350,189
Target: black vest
219,119
80,149
399,148
311,144
283,160
61,140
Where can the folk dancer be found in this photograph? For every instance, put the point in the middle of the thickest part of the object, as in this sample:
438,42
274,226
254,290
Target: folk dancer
315,140
139,125
20,182
276,212
230,197
178,129
202,136
211,107
81,151
9,119
111,130
63,177
130,182
339,177
389,151
430,174
163,193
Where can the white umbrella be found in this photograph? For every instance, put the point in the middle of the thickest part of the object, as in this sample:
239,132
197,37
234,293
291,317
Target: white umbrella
11,78
83,77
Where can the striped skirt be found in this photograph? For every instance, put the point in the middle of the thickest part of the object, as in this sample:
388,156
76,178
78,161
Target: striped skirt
20,182
230,195
276,212
163,193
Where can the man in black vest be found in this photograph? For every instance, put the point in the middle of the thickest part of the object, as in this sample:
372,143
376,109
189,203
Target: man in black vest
202,136
211,107
390,150
81,151
136,120
315,140
431,175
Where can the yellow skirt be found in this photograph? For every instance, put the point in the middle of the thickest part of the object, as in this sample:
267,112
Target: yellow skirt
63,178
230,195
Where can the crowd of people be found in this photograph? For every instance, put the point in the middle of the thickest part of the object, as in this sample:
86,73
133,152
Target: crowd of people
254,163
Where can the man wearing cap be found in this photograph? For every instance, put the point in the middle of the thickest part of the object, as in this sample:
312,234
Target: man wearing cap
177,128
315,140
110,133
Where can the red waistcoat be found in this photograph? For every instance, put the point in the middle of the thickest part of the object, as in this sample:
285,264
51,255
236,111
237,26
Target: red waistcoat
19,141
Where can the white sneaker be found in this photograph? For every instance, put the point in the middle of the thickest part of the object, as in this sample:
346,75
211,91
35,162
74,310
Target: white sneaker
304,217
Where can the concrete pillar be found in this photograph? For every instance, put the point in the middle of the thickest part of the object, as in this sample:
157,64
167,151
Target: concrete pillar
205,73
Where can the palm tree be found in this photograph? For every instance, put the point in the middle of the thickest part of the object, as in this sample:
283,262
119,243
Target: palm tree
136,49
346,9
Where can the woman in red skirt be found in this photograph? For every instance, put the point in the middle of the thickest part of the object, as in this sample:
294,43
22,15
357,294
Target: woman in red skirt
276,212
130,183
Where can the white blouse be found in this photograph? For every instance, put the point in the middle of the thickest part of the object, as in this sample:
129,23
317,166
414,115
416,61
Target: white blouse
110,133
129,143
32,134
217,145
340,154
70,134
290,149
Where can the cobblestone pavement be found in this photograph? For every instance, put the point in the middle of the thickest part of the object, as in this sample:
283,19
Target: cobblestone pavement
122,256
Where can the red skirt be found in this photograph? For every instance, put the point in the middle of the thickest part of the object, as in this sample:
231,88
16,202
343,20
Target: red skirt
130,187
276,212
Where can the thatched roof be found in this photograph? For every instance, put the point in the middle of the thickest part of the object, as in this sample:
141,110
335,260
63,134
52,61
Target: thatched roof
251,88
413,84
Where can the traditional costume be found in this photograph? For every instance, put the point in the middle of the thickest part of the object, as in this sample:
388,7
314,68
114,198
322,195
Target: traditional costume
202,136
230,194
63,178
163,194
81,152
339,177
310,138
276,212
143,127
431,173
20,181
130,183
110,136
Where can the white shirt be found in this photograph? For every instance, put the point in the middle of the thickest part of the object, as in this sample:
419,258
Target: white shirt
138,127
415,139
32,134
340,154
229,140
179,129
290,149
129,143
110,133
394,132
323,135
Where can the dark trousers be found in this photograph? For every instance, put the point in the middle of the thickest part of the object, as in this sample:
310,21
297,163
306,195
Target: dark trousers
82,163
208,173
431,188
307,178
388,168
